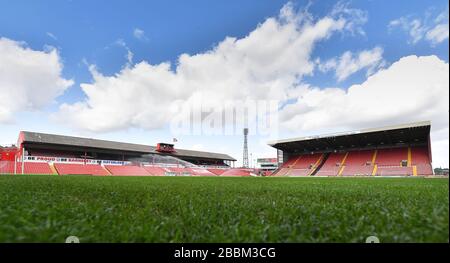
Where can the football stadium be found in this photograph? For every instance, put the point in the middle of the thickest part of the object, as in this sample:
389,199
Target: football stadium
104,191
402,150
242,125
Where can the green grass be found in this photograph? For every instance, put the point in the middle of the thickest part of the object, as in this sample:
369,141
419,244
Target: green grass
187,209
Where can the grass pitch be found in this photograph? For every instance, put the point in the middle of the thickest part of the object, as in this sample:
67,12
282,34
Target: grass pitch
202,209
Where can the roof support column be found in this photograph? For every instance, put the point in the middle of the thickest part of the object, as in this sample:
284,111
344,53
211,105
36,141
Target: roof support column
15,163
23,155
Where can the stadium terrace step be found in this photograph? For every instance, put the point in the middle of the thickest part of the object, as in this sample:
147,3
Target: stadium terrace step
126,170
216,171
237,172
391,157
7,167
424,169
36,168
365,170
202,172
359,163
157,171
298,172
281,172
300,165
332,165
88,169
307,161
421,159
180,171
386,171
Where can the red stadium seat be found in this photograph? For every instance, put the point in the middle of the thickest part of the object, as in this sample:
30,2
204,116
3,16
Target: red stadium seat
202,172
157,171
299,172
424,169
217,171
358,163
35,168
6,167
237,172
387,171
127,170
89,169
180,171
421,159
391,157
289,162
306,161
302,165
28,168
332,165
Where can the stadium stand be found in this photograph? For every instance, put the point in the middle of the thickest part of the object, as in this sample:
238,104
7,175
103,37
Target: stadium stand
333,164
307,161
85,169
186,171
202,172
56,154
394,170
281,172
393,161
358,163
401,150
419,155
46,153
423,169
421,159
6,167
126,170
180,171
216,171
237,172
300,165
298,172
35,168
156,171
391,157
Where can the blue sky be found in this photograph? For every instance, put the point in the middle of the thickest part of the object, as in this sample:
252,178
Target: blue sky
89,30
101,33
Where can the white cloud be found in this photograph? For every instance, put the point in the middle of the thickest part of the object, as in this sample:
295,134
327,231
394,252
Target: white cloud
51,35
270,62
139,34
350,63
438,34
355,17
29,79
435,31
414,28
129,56
264,64
411,89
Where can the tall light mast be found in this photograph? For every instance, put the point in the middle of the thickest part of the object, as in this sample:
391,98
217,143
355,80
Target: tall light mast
245,155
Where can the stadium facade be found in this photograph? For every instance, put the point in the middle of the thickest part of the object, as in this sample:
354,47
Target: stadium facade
401,150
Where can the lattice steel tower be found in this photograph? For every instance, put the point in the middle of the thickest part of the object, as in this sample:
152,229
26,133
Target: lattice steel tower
245,157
